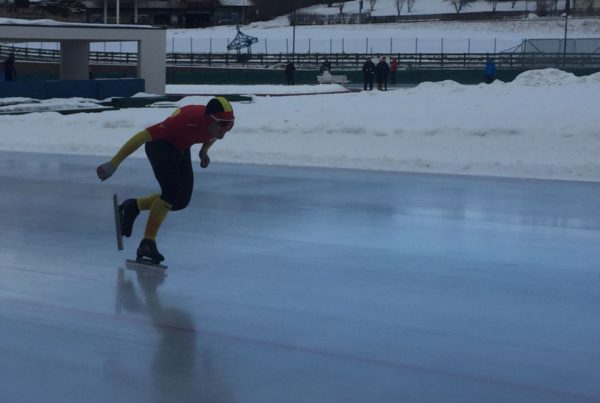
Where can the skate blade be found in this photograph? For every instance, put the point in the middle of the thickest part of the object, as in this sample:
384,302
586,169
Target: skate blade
146,266
117,223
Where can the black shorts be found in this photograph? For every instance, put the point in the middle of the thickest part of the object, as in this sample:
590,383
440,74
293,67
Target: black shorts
173,171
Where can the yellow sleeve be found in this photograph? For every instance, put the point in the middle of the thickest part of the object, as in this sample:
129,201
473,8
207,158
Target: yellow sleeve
130,146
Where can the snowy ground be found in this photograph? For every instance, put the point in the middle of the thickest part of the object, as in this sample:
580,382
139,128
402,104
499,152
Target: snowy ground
276,36
545,124
542,125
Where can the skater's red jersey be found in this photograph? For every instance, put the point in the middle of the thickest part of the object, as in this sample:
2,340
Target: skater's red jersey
184,128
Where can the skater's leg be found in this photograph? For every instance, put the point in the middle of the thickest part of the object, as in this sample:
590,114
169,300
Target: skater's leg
158,213
147,248
186,176
146,202
128,212
166,163
130,209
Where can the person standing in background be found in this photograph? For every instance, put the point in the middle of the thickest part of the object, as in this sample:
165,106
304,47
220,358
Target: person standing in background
368,70
289,73
490,70
394,69
10,73
325,66
383,71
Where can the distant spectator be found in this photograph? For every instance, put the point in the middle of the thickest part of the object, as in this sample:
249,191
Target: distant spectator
394,69
289,73
10,73
382,71
325,66
368,70
490,71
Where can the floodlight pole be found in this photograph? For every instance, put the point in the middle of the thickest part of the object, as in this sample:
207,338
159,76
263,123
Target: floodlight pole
294,32
565,40
567,11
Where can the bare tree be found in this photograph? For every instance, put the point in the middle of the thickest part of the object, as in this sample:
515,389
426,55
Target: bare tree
273,8
341,5
372,4
409,5
494,5
399,5
541,7
512,5
459,4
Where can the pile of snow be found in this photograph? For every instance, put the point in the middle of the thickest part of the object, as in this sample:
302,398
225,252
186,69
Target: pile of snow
546,77
545,124
27,105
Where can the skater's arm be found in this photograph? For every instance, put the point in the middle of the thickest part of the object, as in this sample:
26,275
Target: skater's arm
130,146
204,158
106,170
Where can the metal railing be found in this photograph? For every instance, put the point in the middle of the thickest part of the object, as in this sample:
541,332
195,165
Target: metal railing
339,61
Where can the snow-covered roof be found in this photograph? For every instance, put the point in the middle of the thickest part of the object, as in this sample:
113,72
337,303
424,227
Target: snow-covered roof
236,3
54,23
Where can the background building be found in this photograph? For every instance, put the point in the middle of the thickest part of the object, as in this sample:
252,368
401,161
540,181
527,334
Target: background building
585,7
171,13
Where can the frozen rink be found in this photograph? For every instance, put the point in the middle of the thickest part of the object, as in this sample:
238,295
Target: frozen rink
299,285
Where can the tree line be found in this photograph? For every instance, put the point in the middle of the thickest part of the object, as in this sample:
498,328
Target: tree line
274,8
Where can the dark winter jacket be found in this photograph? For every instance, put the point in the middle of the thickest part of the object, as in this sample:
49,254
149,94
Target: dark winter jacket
10,73
289,69
382,69
490,68
368,68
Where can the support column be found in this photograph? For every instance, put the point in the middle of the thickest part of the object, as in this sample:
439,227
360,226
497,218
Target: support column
74,60
152,54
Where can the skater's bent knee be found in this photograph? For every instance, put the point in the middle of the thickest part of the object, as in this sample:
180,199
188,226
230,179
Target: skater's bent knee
181,204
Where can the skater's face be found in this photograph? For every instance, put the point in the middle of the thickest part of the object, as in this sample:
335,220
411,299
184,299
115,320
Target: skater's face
218,127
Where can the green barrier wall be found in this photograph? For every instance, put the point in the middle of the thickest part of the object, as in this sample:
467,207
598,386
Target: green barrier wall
242,76
188,75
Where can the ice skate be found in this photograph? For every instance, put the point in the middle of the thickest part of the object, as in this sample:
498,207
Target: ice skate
147,251
128,212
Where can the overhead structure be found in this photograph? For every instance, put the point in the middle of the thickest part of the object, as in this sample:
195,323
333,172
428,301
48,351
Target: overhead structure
118,11
241,41
75,42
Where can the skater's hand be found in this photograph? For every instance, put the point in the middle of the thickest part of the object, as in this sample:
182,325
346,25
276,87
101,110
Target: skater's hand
204,160
105,171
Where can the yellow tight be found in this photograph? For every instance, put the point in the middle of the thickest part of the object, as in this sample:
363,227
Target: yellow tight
158,211
146,202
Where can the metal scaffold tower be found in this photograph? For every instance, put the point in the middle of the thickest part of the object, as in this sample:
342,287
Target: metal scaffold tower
241,41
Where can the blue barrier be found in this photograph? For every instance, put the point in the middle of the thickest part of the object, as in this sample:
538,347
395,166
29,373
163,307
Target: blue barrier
125,87
95,89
